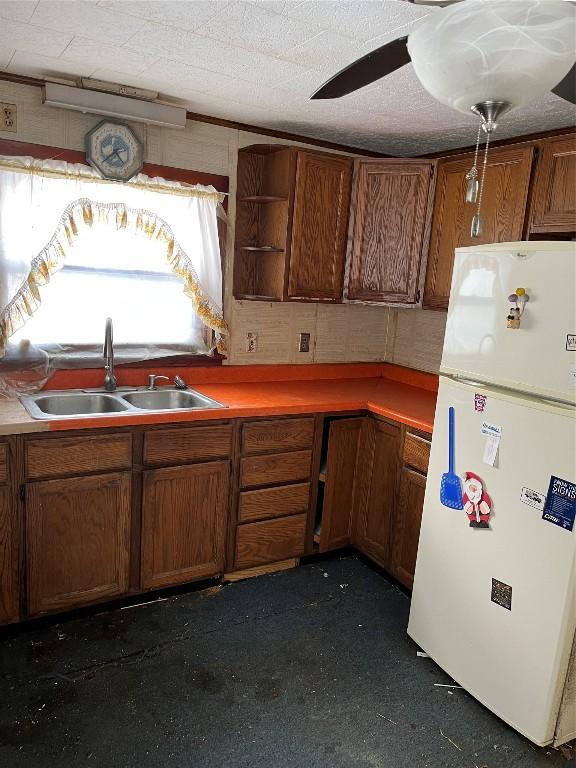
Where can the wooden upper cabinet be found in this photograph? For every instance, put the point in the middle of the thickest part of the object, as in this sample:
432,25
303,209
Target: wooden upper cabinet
184,518
503,212
389,227
319,227
554,195
77,539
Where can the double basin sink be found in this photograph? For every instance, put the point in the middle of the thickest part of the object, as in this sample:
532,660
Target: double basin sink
77,402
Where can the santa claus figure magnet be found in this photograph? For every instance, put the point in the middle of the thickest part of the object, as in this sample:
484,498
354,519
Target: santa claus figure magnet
477,503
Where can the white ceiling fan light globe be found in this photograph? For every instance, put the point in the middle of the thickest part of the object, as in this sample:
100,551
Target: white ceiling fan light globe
512,51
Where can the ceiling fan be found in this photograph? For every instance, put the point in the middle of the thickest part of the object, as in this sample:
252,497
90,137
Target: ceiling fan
484,56
519,48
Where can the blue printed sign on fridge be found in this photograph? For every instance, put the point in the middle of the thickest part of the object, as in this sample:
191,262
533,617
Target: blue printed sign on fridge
560,505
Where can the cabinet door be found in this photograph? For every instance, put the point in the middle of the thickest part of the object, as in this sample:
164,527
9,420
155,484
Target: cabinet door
376,496
406,526
554,194
503,211
9,591
319,226
184,514
77,537
391,208
341,465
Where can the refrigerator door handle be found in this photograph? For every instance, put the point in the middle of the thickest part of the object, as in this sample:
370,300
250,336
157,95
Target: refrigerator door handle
514,393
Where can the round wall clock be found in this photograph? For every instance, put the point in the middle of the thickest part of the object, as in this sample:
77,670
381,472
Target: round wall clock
114,150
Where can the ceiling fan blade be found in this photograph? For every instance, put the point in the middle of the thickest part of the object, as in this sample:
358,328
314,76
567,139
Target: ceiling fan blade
440,3
366,70
566,88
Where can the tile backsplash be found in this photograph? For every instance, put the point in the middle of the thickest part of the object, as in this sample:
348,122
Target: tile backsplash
338,333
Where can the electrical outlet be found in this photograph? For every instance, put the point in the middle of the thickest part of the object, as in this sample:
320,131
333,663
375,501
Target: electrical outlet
304,342
251,341
7,117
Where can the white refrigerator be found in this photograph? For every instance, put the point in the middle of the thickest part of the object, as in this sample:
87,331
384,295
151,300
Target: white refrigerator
494,598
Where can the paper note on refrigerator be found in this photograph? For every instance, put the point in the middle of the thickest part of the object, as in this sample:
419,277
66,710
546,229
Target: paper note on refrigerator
491,450
493,434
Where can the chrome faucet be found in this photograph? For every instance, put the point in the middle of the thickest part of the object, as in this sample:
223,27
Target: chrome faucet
108,353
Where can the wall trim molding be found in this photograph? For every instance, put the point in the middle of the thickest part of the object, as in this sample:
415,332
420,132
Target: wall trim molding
198,117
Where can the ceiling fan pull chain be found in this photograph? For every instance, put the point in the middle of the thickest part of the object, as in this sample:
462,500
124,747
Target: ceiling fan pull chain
476,229
472,175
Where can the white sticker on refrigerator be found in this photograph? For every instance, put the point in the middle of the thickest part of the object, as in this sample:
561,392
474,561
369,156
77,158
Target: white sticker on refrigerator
532,498
491,429
571,342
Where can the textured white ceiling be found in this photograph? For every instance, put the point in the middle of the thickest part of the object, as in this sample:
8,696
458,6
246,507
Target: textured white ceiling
255,62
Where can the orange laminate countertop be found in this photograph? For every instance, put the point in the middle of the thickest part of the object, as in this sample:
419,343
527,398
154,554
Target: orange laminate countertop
398,394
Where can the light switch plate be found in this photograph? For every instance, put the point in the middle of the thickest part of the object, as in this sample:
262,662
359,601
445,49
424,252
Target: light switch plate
304,342
8,117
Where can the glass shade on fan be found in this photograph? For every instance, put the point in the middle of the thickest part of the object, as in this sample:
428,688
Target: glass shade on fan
512,51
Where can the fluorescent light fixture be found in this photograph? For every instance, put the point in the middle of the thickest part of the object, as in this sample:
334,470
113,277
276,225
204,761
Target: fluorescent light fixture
99,103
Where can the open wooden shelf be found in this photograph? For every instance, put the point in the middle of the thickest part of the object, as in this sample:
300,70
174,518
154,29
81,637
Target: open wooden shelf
256,297
263,199
261,249
263,215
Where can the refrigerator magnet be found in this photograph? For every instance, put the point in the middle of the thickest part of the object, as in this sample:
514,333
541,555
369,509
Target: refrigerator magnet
479,402
476,501
560,504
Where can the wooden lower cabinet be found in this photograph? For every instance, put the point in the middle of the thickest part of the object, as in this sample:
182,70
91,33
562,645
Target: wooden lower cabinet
406,527
270,540
341,464
77,540
379,465
9,588
184,518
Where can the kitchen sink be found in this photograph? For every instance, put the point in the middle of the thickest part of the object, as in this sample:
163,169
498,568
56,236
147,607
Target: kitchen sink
168,400
68,404
72,404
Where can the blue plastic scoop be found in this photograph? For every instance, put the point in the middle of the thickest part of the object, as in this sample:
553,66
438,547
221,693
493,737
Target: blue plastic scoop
450,486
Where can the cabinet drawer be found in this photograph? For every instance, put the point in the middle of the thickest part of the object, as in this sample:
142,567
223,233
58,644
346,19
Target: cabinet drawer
175,446
416,452
270,540
3,463
279,468
278,435
273,502
77,455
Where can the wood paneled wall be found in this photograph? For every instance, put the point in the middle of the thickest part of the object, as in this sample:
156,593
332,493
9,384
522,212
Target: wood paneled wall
338,333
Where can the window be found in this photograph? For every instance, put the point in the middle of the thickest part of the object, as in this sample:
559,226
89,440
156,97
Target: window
113,273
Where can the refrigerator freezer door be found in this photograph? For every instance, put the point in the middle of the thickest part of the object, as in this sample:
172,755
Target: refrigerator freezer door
514,660
538,357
